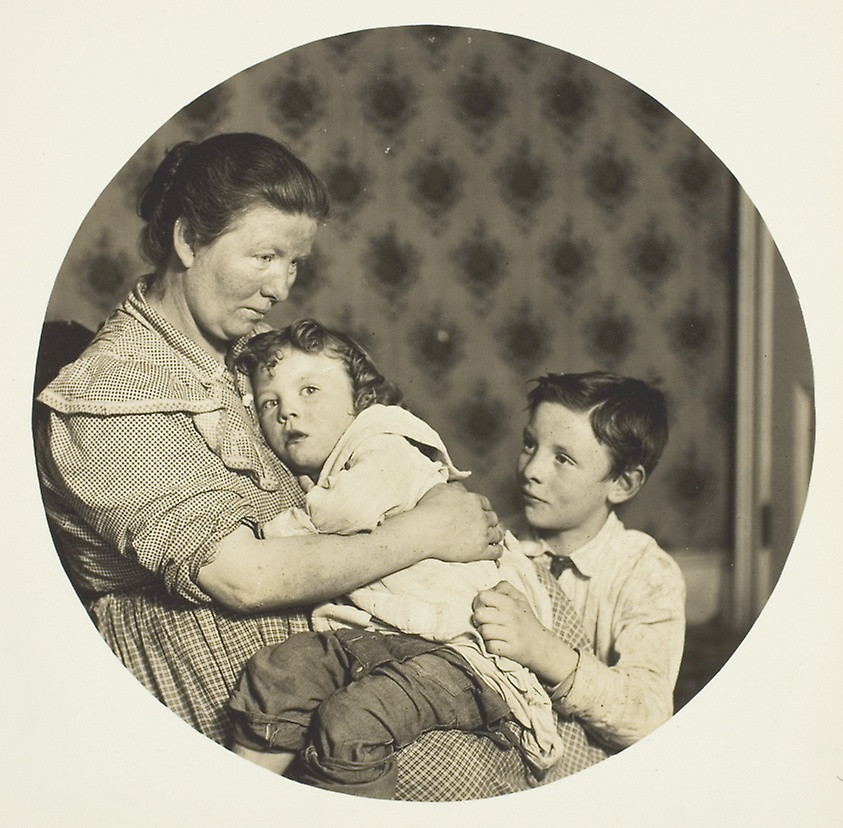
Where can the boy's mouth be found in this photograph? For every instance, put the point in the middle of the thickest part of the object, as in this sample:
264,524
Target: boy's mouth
529,497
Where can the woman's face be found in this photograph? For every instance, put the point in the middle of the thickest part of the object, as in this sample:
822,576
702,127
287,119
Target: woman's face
230,284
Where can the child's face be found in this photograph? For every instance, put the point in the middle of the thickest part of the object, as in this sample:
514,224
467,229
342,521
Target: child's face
563,473
304,404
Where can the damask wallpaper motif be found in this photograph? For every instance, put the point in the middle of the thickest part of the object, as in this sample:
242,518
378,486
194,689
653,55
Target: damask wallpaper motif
500,209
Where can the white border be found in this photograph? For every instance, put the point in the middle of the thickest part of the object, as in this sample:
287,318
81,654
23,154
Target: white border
85,83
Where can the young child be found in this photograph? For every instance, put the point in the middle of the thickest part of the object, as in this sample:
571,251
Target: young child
400,656
591,442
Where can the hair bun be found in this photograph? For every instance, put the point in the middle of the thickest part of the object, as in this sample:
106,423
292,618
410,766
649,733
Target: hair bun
153,198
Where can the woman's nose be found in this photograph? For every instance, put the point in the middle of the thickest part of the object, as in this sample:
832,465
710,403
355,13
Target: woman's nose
277,286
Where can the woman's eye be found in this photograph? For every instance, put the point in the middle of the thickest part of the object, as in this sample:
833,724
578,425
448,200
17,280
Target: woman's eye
563,459
528,446
266,258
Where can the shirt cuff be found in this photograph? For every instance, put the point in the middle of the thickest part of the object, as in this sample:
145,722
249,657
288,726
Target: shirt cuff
586,696
182,578
559,692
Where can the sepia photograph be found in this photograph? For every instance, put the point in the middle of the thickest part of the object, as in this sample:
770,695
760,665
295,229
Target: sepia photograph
424,410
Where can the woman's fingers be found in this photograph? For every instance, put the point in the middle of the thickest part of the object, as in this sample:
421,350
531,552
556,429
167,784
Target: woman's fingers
489,512
494,532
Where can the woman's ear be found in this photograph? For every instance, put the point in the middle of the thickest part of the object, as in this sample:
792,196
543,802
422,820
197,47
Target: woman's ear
626,485
182,243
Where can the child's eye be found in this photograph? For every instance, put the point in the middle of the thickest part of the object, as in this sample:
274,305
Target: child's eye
268,404
308,390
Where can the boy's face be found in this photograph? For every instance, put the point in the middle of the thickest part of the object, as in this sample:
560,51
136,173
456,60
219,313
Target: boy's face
304,404
563,474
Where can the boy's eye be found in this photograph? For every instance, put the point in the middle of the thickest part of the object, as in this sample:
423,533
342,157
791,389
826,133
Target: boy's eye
266,405
308,390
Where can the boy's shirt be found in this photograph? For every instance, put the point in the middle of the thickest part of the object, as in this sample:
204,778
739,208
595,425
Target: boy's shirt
630,596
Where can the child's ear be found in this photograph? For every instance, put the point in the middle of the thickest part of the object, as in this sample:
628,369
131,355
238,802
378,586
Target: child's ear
182,244
626,485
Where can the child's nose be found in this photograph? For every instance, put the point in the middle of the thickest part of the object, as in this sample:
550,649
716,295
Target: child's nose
286,411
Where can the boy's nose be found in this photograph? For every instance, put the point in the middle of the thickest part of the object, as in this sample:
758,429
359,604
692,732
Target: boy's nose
532,468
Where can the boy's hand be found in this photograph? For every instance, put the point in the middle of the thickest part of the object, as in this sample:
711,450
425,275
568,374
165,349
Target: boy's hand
506,622
509,628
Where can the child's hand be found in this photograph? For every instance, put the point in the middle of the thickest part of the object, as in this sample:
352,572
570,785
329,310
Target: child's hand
305,482
506,622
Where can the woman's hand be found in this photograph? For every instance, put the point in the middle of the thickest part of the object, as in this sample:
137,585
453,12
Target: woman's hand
457,525
509,628
251,575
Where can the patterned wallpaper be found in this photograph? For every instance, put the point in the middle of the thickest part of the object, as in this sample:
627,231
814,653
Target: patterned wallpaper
501,209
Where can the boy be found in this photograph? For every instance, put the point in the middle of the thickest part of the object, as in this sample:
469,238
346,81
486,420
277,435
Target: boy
591,442
344,697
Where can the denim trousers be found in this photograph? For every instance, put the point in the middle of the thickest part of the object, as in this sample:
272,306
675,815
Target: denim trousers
347,700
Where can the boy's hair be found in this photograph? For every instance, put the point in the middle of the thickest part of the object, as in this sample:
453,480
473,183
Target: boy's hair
628,416
311,337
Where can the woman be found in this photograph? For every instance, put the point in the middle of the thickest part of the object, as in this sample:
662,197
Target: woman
154,473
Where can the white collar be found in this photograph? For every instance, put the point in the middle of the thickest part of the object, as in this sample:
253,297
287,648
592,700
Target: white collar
587,558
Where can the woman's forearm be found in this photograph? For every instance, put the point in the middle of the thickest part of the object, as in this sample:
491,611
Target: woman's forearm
249,575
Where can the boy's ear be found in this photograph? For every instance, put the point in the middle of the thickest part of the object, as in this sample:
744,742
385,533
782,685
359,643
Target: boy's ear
626,485
182,244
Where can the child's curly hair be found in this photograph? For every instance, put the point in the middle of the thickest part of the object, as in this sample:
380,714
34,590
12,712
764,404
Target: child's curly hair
311,337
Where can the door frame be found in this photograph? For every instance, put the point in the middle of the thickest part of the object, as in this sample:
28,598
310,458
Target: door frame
751,572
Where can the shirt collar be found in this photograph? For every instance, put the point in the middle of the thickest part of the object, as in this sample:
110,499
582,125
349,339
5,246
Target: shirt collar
193,354
587,558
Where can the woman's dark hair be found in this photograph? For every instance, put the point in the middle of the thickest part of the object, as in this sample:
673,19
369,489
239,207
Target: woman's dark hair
208,184
368,385
628,416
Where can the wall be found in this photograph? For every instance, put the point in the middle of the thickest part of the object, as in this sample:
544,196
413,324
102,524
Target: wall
502,209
